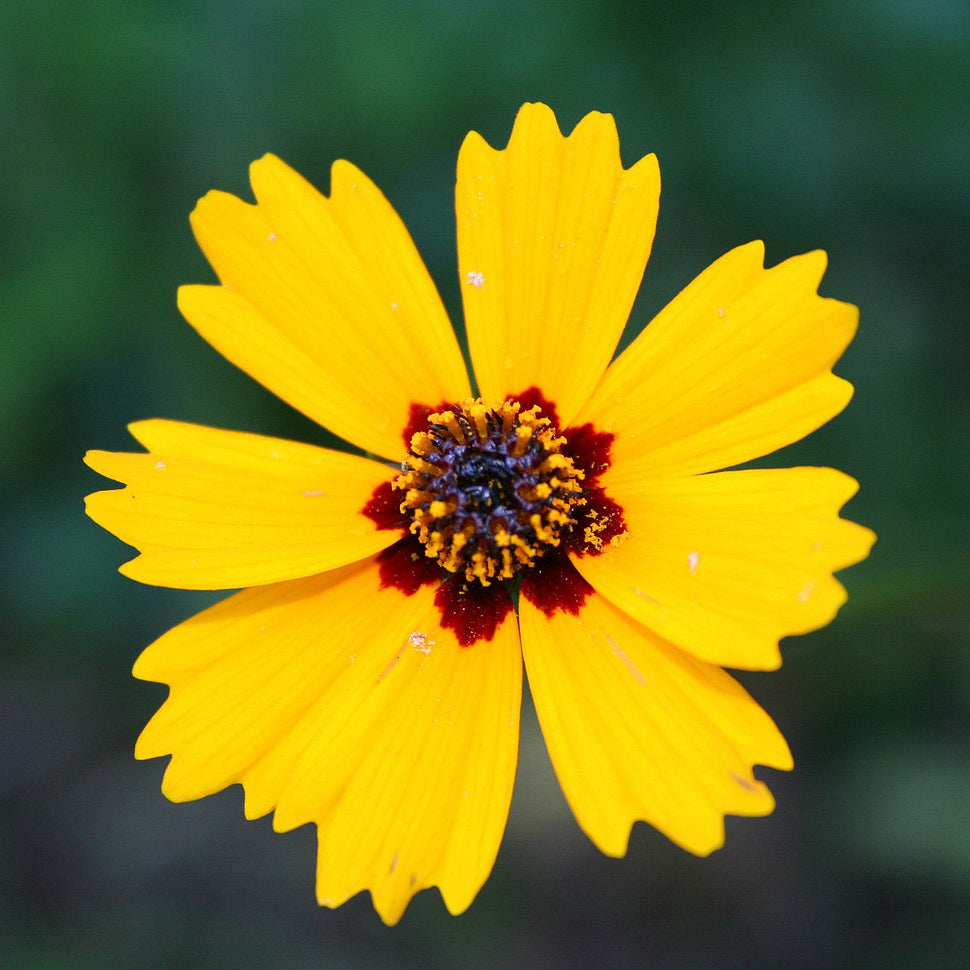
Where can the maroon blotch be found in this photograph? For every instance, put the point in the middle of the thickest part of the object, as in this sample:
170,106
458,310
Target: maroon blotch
554,583
405,566
473,611
532,396
602,516
383,508
418,415
590,449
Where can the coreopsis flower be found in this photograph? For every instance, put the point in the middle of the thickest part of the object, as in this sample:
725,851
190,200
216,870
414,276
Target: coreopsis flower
554,506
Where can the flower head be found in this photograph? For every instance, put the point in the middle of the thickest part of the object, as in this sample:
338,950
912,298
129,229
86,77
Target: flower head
556,507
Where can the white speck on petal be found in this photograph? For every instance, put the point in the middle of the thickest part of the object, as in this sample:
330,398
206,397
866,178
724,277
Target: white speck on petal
394,306
421,642
160,465
271,237
806,592
314,493
475,278
693,558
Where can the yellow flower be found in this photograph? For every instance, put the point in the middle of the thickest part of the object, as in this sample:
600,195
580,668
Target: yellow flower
563,509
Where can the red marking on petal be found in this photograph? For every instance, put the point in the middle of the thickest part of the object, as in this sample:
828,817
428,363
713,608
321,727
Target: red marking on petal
418,418
532,396
473,611
590,449
384,508
600,517
553,583
405,566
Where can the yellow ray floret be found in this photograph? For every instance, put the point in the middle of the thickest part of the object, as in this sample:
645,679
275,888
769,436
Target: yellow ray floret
326,301
553,238
336,702
723,565
638,730
736,366
370,680
213,509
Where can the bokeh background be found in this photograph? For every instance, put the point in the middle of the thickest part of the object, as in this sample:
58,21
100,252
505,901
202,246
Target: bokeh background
836,125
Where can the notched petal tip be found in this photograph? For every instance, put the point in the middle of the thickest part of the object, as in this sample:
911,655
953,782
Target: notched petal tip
214,206
674,748
778,757
859,539
269,162
188,295
538,114
213,509
391,908
345,177
141,430
561,233
646,168
275,182
473,145
816,259
100,461
535,118
769,658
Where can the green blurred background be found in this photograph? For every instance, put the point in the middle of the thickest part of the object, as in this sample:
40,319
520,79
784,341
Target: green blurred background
836,125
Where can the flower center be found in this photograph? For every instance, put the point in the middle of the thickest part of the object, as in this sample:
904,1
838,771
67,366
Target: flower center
488,489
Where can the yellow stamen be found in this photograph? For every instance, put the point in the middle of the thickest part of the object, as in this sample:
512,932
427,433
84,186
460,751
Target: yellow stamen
489,489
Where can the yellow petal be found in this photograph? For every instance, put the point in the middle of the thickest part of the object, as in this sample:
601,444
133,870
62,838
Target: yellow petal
326,302
553,238
340,703
638,730
213,509
736,366
723,565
